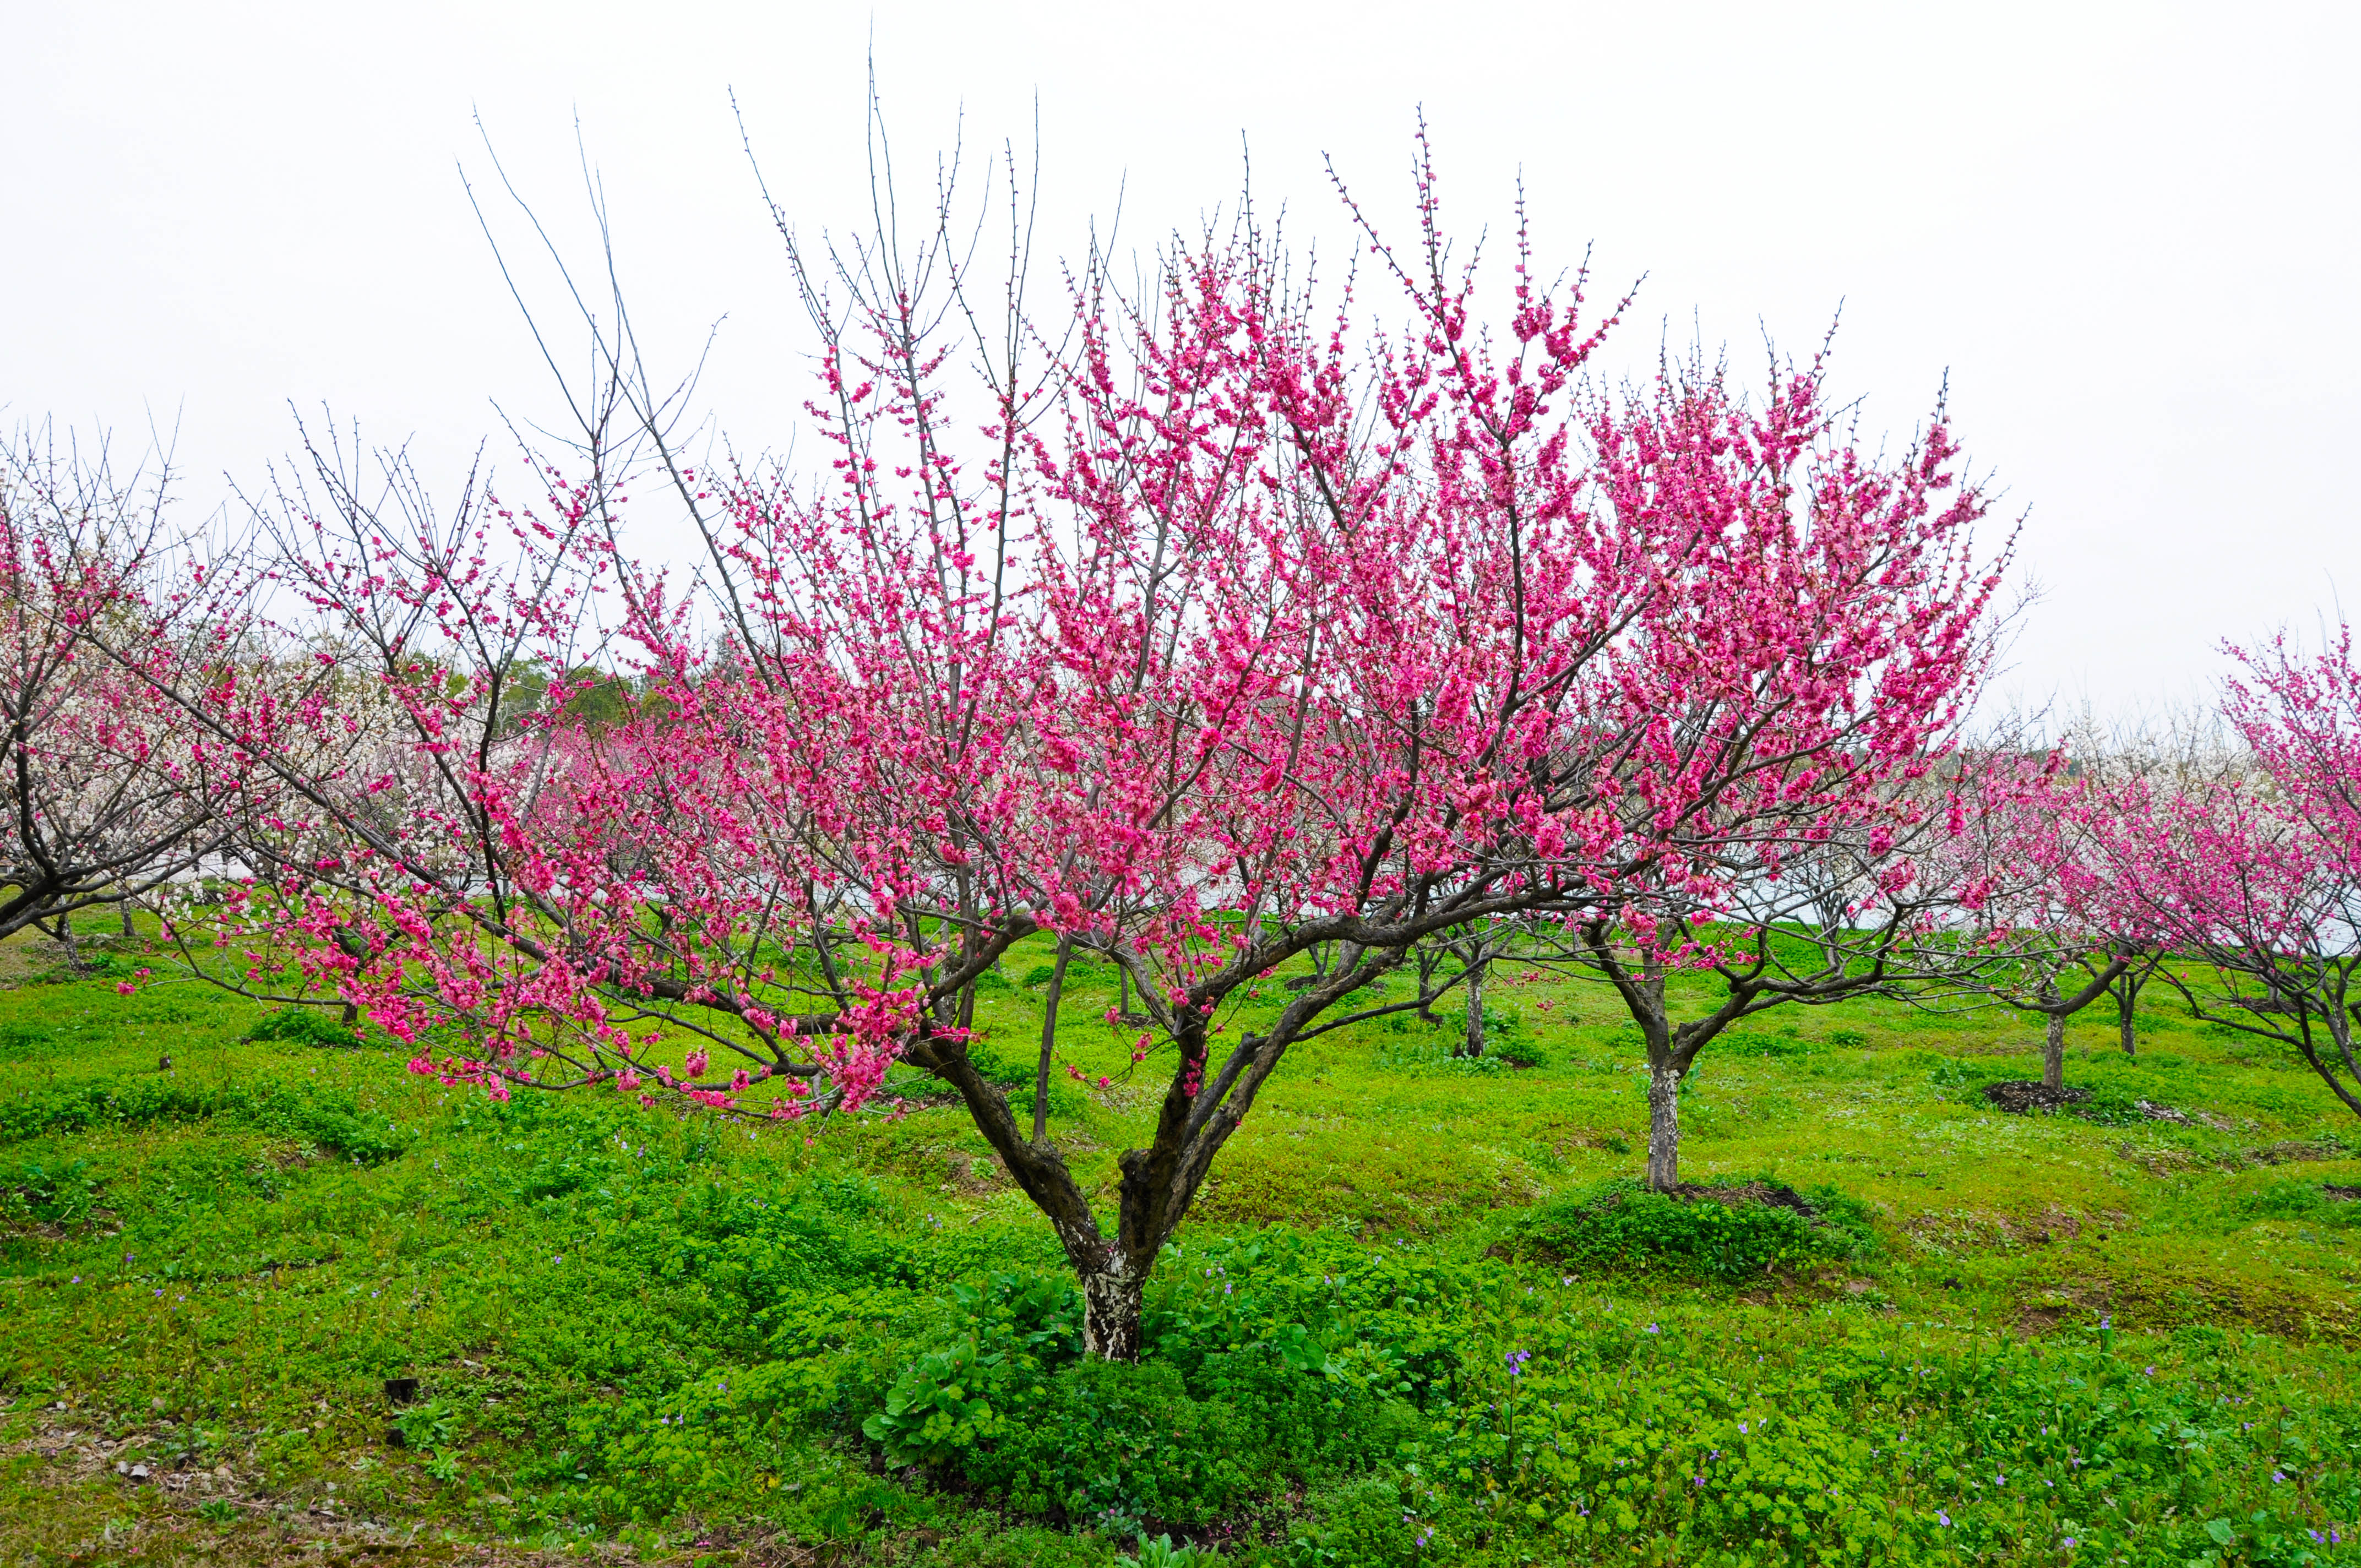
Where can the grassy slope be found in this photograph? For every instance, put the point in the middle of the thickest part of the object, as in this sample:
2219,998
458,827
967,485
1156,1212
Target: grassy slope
218,1295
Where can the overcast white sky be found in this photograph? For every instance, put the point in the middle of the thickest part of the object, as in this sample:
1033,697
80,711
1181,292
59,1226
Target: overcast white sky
2126,231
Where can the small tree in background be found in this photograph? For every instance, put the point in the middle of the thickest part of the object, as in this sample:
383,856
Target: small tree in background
1828,627
2040,926
2253,873
108,793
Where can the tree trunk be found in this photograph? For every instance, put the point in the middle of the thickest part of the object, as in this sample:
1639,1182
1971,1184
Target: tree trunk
2127,988
1048,1040
1111,1302
1473,1045
2053,1053
1157,1183
1664,1126
66,939
125,910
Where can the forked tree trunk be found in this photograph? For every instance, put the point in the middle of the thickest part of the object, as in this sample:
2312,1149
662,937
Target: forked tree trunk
1664,1126
1202,1105
1473,1044
2130,1042
2053,1053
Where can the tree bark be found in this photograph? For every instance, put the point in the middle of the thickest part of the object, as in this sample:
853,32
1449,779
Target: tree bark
1473,1044
2127,988
1048,1040
1111,1304
2053,1053
1664,1126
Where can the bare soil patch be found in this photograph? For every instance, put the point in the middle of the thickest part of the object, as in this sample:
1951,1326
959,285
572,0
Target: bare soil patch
2020,1097
2291,1153
1770,1194
2023,1097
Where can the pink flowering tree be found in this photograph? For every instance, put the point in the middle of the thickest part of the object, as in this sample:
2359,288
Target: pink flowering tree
2038,923
1825,618
2255,873
1210,631
379,733
107,796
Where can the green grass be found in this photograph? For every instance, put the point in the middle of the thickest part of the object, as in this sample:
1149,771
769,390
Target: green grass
684,1340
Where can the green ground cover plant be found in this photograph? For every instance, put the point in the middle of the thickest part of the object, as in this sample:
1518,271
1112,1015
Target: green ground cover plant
1732,1235
1449,1328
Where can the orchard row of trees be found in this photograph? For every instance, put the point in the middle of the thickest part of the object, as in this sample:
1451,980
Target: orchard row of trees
1216,628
